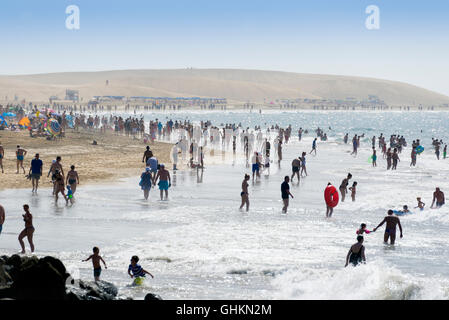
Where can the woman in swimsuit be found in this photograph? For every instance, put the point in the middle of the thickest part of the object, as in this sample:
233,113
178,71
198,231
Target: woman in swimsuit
29,229
244,194
72,179
59,186
356,254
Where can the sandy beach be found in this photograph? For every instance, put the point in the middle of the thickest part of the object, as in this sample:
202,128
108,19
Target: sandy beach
112,158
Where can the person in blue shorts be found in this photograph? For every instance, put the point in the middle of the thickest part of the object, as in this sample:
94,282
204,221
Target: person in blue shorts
164,181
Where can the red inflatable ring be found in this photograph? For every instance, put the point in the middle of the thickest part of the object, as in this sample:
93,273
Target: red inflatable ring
331,196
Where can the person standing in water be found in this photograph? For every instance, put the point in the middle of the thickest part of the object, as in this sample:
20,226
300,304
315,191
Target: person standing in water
390,230
285,193
313,146
438,195
344,186
296,164
145,182
279,152
374,157
244,194
35,171
20,154
72,179
165,181
96,258
303,163
353,190
29,229
395,158
356,253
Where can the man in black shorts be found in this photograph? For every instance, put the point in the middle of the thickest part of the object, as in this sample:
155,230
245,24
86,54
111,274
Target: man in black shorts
296,164
285,191
390,230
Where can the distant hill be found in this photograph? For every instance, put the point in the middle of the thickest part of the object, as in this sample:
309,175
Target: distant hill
235,85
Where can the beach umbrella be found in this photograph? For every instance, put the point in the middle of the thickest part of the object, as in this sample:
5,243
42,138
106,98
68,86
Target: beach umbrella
24,122
8,114
53,127
3,121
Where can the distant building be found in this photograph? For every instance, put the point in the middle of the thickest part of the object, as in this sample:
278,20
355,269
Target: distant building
72,95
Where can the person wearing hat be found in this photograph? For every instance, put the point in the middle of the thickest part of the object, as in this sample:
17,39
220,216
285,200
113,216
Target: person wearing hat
145,182
164,180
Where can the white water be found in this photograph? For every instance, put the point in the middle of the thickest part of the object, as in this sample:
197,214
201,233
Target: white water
200,246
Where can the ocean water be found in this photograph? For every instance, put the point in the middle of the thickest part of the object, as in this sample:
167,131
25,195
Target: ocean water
198,245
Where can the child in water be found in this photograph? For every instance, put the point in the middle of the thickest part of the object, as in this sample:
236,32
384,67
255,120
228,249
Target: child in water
374,157
353,190
96,258
138,273
420,204
362,230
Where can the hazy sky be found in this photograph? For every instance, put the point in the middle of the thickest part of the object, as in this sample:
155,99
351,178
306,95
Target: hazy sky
313,36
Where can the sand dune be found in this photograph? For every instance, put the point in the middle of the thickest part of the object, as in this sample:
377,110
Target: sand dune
235,85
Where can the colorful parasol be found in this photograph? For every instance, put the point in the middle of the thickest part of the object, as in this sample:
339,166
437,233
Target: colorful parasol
53,127
24,122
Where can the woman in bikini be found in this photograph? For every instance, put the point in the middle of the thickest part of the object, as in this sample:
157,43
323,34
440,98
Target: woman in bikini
29,229
244,194
72,179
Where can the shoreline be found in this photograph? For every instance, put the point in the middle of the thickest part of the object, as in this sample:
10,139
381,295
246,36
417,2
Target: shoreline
114,157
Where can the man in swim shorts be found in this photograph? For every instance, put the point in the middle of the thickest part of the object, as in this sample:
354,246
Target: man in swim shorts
390,230
438,195
35,171
164,180
296,164
285,193
147,155
20,154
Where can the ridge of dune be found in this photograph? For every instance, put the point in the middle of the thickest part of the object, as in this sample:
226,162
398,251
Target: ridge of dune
234,84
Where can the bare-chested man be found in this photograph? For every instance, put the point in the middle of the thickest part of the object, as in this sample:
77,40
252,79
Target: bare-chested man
56,165
165,181
20,154
147,155
390,230
296,164
244,194
2,155
438,195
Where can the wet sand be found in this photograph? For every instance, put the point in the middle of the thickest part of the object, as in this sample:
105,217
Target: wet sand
112,158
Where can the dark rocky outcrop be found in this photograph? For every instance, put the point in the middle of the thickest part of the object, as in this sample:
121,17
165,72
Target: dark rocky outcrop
32,278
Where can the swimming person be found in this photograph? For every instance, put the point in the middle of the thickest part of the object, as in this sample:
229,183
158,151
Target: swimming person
29,229
164,180
356,253
438,195
362,230
285,193
420,204
96,258
390,230
244,194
